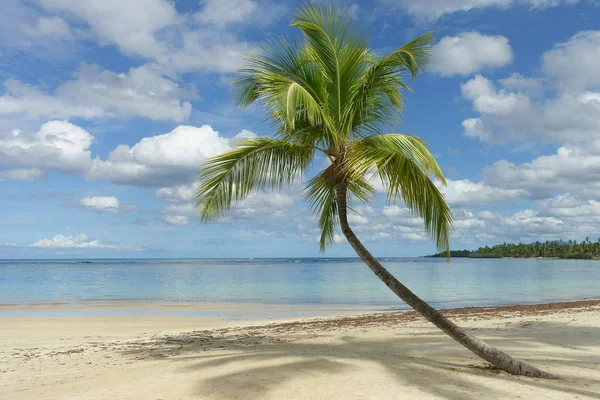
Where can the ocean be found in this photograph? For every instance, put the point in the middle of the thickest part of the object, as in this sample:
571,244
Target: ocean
296,281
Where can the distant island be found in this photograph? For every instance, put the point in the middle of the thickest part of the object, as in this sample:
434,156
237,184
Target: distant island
585,250
453,253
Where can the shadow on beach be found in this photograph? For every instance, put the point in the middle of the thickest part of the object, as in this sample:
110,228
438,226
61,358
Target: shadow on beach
256,359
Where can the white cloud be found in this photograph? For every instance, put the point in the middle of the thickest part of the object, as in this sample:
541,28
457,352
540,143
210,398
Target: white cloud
576,63
54,28
391,224
519,83
132,25
57,145
33,103
180,193
487,100
261,205
466,220
464,192
205,50
221,12
101,203
357,219
26,175
336,238
401,215
469,52
176,220
98,93
166,160
517,111
574,168
433,9
487,215
261,208
177,43
76,242
171,158
567,205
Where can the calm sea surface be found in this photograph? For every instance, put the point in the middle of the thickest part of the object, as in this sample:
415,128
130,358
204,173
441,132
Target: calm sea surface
462,282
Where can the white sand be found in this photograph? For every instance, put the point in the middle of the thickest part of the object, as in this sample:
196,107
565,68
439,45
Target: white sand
378,356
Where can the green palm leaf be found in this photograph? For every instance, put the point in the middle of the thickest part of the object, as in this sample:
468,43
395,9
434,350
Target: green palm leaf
406,167
329,93
256,164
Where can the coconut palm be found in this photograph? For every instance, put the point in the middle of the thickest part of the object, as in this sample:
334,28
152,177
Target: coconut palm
331,94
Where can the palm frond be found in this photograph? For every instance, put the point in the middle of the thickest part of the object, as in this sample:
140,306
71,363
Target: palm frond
256,164
281,76
376,151
320,194
406,167
340,52
377,100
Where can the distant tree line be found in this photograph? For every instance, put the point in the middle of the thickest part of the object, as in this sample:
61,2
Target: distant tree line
586,250
453,253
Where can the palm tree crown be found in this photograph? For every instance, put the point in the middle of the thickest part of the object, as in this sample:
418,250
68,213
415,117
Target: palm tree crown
330,94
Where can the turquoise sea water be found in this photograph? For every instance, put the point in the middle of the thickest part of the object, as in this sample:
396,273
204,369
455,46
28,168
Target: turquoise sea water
462,282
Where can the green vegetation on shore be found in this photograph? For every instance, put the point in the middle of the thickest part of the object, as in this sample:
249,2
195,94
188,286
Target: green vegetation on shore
453,253
585,250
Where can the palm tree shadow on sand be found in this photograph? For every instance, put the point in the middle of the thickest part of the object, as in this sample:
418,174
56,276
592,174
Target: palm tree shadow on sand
257,360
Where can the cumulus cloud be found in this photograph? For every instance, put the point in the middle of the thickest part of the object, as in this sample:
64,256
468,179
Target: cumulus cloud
178,43
574,168
57,145
76,242
162,160
132,25
469,52
514,108
25,175
434,9
179,193
575,62
466,192
567,205
101,203
98,93
488,100
390,223
521,84
166,160
260,207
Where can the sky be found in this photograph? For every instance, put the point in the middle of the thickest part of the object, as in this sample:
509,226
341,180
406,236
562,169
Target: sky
108,108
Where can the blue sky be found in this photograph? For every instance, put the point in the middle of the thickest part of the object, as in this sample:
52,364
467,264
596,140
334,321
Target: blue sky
107,109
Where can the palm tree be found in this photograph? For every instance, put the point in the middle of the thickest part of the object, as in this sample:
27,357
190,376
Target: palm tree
333,95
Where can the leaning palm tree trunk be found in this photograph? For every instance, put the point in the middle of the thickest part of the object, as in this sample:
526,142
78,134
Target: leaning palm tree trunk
496,357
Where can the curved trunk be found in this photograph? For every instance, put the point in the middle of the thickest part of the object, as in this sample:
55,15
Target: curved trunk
496,357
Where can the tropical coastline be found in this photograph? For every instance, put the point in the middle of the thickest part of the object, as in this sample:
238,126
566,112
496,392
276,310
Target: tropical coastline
354,356
197,198
557,249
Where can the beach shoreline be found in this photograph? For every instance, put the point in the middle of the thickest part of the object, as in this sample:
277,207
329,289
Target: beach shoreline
381,354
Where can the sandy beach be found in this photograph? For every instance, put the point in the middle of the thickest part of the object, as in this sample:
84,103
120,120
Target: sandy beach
390,355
